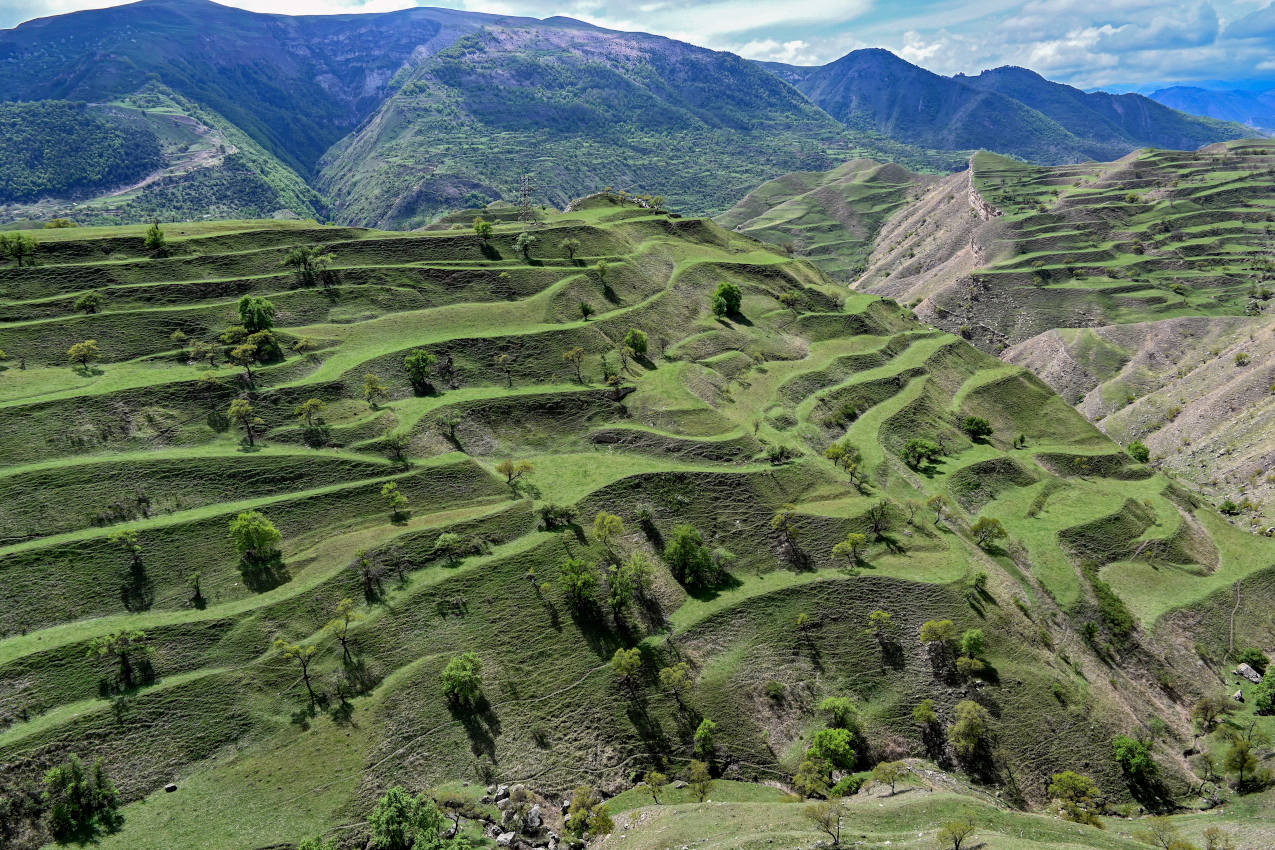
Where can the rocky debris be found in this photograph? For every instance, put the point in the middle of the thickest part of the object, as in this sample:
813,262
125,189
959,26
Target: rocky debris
1249,673
506,839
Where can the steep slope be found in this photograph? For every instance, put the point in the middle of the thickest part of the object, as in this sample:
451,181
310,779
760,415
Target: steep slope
1007,110
1254,108
831,218
719,422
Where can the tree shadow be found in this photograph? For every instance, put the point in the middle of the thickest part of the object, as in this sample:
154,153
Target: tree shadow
137,591
489,251
260,575
316,436
727,582
892,655
481,726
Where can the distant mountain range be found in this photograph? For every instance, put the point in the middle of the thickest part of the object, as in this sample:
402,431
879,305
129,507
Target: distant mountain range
395,117
1254,108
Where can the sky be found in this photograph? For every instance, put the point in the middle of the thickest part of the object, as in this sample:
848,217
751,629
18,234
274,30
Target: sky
1088,43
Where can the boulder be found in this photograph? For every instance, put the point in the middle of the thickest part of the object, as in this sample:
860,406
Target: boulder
502,793
170,787
1249,673
1238,696
678,783
534,818
505,839
502,803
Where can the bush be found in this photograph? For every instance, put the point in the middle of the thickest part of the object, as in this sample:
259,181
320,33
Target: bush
689,558
848,785
1254,658
976,427
462,679
1139,452
775,690
727,299
1134,757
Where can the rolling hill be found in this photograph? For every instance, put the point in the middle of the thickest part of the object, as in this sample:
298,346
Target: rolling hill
1113,602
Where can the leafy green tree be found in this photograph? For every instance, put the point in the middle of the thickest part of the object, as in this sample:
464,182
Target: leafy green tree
626,663
307,261
955,833
636,342
244,356
570,246
1253,657
628,580
83,805
938,504
483,229
586,310
987,530
395,444
676,679
400,821
578,580
154,239
835,746
607,527
601,270
310,410
128,649
19,247
204,351
973,643
256,538
394,498
462,679
1240,760
1208,710
1077,795
1134,757
514,470
811,778
655,782
689,559
970,730
701,780
243,414
727,299
374,390
881,626
938,631
1264,696
924,714
705,743
347,614
256,313
889,773
851,547
588,815
523,243
919,450
85,353
1139,451
89,302
419,365
303,654
841,711
976,427
575,356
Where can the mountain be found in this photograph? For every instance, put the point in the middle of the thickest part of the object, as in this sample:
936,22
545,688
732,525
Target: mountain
1007,110
1254,108
479,494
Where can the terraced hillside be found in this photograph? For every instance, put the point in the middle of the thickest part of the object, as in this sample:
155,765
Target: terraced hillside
454,506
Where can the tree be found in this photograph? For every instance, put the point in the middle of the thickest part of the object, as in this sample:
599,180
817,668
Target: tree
570,246
395,444
419,365
588,815
523,243
242,413
1160,832
826,817
578,580
1216,839
123,647
636,342
790,300
954,833
1134,757
462,679
1253,657
842,712
881,626
970,729
986,530
20,247
938,504
701,780
85,353
339,626
482,229
1211,709
889,773
850,547
204,351
514,470
688,558
307,260
727,299
835,746
607,527
1240,760
938,632
89,302
244,356
256,538
449,546
654,782
374,390
256,313
627,580
601,269
976,427
83,805
303,654
973,643
626,663
924,714
811,778
309,410
586,310
704,743
394,498
1078,797
154,239
676,679
1139,452
919,450
575,357
400,821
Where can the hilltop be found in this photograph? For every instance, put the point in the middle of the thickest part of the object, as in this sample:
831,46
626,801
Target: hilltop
702,425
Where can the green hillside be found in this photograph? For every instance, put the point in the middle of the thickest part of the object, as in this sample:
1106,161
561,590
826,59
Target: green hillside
1112,604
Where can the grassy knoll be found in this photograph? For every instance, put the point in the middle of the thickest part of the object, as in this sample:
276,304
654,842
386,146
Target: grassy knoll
533,418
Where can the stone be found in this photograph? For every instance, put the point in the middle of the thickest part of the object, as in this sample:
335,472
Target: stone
1248,673
491,789
170,787
506,817
678,783
502,793
1238,696
566,804
505,839
502,803
534,817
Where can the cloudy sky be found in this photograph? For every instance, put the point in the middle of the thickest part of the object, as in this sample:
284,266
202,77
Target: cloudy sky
1085,42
